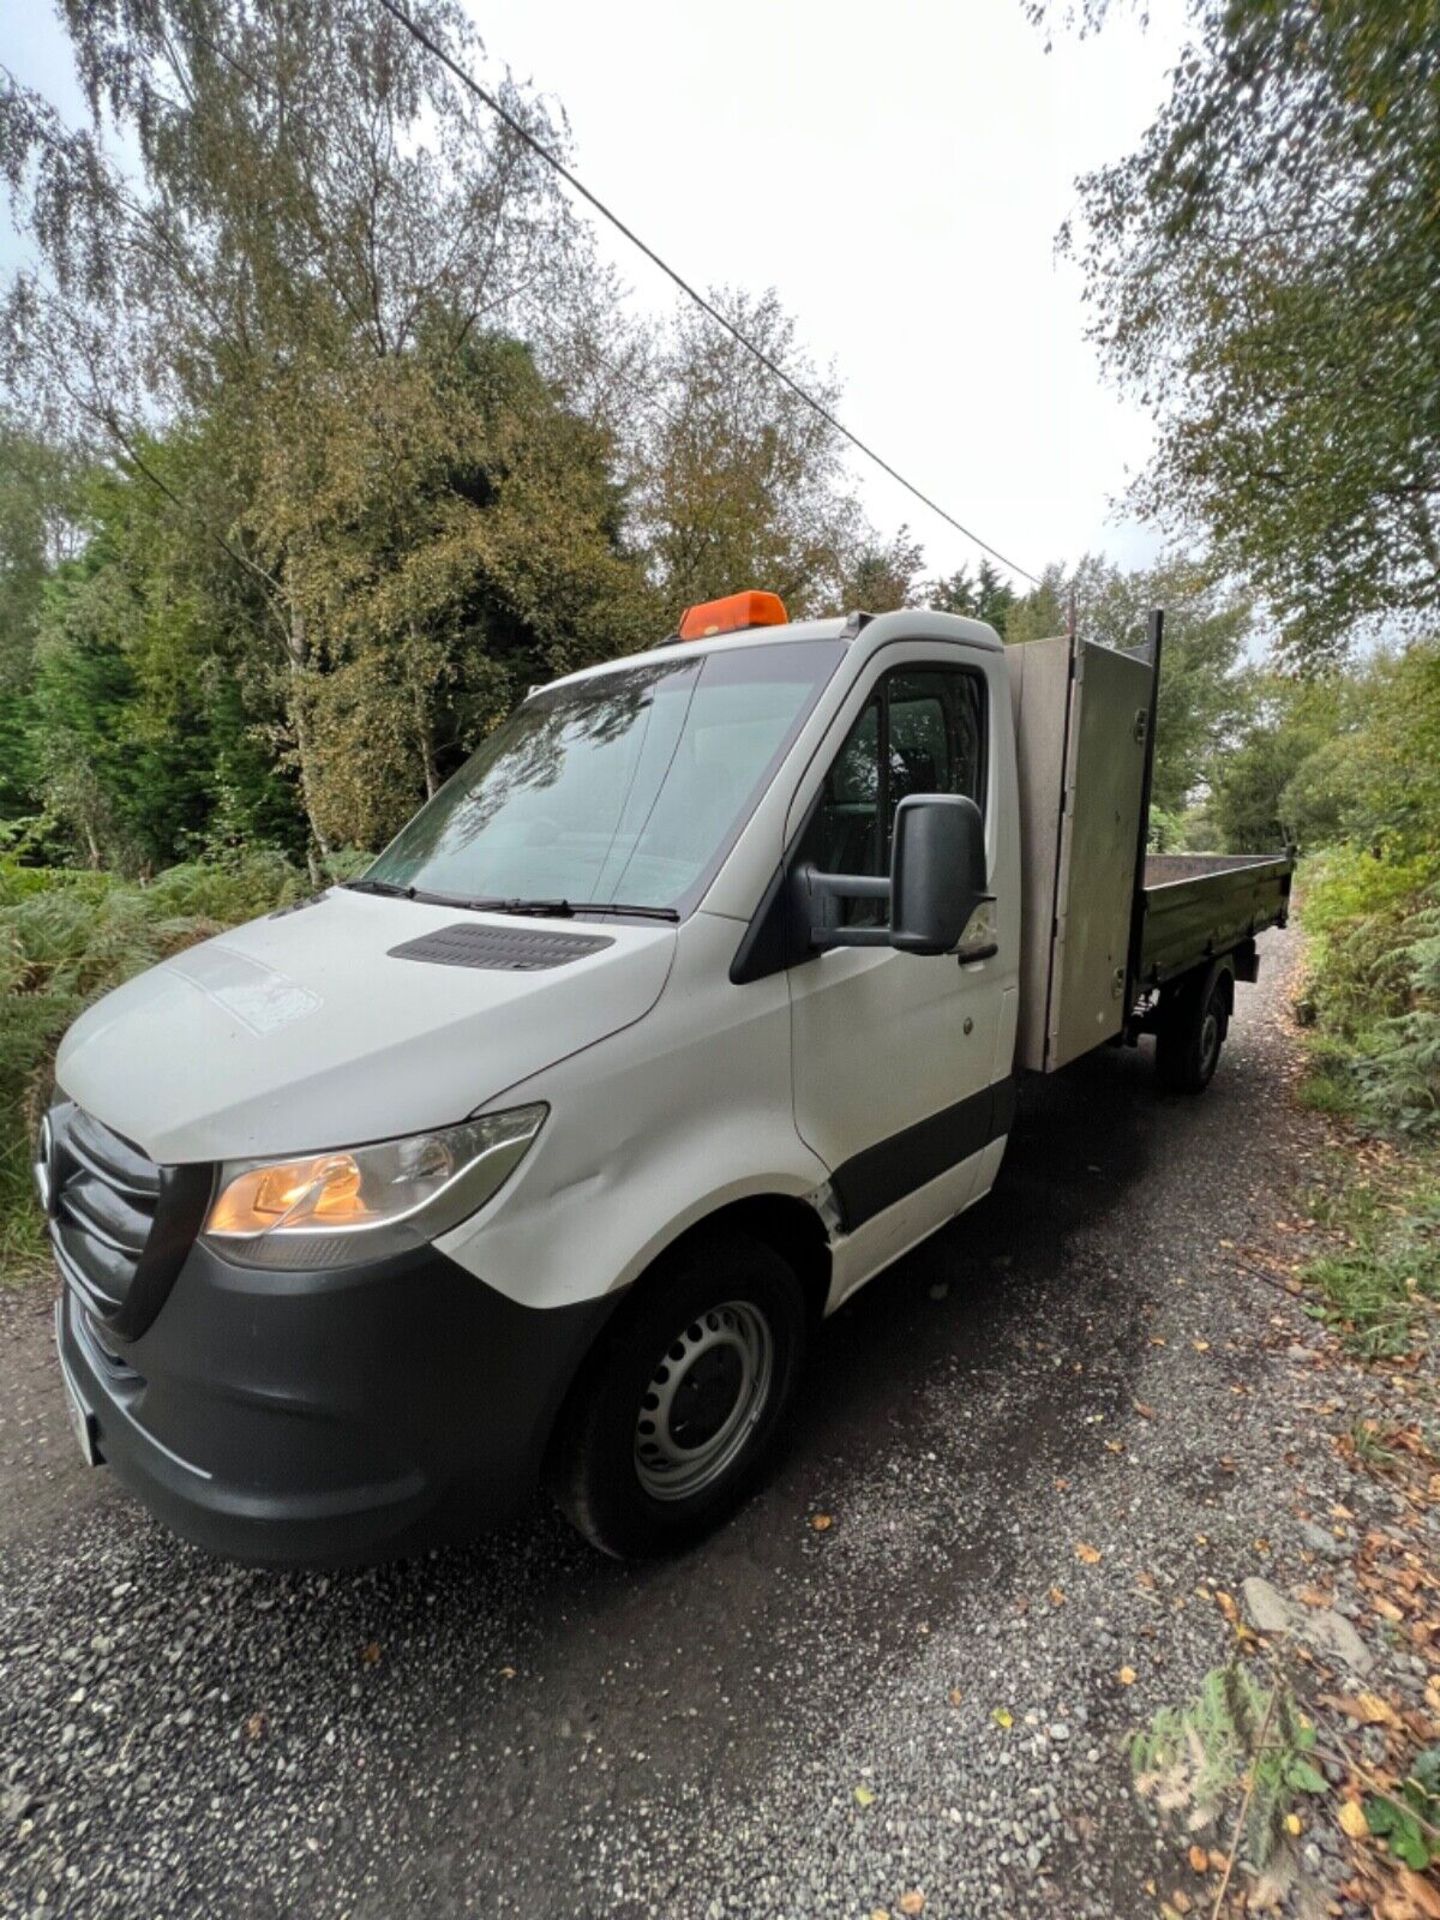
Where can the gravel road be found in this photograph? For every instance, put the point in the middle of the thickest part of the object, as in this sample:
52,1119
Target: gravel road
793,1721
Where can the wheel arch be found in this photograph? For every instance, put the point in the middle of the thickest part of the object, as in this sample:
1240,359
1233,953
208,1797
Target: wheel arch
785,1223
1222,975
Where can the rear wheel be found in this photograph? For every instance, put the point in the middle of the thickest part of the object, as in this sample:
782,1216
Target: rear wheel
672,1421
1192,1032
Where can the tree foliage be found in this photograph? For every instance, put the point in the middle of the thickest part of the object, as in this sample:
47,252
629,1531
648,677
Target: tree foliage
323,234
988,597
1265,274
738,479
377,446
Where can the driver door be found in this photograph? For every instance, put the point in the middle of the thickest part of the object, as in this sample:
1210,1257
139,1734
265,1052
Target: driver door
892,1053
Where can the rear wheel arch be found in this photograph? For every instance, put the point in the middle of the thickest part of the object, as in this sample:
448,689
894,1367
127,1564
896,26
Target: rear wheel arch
1224,972
1195,1013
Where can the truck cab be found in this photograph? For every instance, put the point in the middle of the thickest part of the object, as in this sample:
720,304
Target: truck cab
535,1154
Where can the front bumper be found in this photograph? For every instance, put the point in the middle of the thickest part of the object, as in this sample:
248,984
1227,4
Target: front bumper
331,1417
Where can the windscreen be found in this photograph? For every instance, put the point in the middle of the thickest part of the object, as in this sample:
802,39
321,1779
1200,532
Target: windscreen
624,788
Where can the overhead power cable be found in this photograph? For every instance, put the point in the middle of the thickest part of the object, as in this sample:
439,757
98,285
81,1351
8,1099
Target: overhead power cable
522,132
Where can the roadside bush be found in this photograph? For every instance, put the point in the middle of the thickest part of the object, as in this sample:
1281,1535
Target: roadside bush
1374,987
68,937
1400,1073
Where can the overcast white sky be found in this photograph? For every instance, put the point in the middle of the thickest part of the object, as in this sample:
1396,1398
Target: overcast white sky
898,173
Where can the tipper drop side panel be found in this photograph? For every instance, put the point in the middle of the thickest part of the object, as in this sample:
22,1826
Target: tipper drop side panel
1098,930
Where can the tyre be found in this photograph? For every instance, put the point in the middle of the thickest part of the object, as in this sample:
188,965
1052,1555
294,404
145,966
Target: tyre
1191,1035
673,1419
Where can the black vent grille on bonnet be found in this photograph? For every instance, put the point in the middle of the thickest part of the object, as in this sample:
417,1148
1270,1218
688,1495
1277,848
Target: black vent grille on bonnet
500,949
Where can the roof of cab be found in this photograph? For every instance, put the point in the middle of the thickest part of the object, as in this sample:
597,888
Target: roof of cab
906,623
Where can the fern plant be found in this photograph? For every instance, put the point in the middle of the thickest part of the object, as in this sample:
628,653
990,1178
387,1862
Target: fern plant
1400,1073
1237,1733
67,937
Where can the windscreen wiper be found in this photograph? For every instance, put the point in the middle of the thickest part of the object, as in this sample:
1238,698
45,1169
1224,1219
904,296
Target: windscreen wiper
617,906
567,909
380,886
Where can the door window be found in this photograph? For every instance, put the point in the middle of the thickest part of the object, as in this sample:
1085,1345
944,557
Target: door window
921,731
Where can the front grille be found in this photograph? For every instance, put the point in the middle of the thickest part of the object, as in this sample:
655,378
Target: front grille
120,1225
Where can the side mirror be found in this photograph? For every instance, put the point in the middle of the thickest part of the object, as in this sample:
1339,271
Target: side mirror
935,890
938,875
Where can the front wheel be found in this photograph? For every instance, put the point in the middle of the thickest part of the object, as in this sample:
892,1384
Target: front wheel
672,1421
1192,1032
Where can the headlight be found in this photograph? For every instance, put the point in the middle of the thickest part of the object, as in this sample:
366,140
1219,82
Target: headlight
365,1203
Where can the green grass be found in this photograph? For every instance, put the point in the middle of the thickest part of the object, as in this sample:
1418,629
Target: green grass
1329,1088
1380,1290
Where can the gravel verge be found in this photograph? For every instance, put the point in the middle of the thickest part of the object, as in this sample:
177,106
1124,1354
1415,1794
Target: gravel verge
1041,1443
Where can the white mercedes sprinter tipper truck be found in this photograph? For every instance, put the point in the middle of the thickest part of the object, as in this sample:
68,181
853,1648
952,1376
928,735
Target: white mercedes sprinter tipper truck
690,1003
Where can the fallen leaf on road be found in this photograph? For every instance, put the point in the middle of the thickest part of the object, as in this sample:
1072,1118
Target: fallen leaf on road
1145,1579
1127,1676
1114,1446
956,1696
1227,1606
1199,1860
1292,1823
1352,1819
1424,1900
821,1522
1180,1901
913,1902
1003,1717
370,1655
255,1726
1057,1596
864,1796
1368,1709
1145,1413
1201,1346
1090,1555
1314,1597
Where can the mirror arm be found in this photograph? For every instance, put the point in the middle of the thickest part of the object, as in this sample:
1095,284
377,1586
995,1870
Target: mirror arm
849,936
847,886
